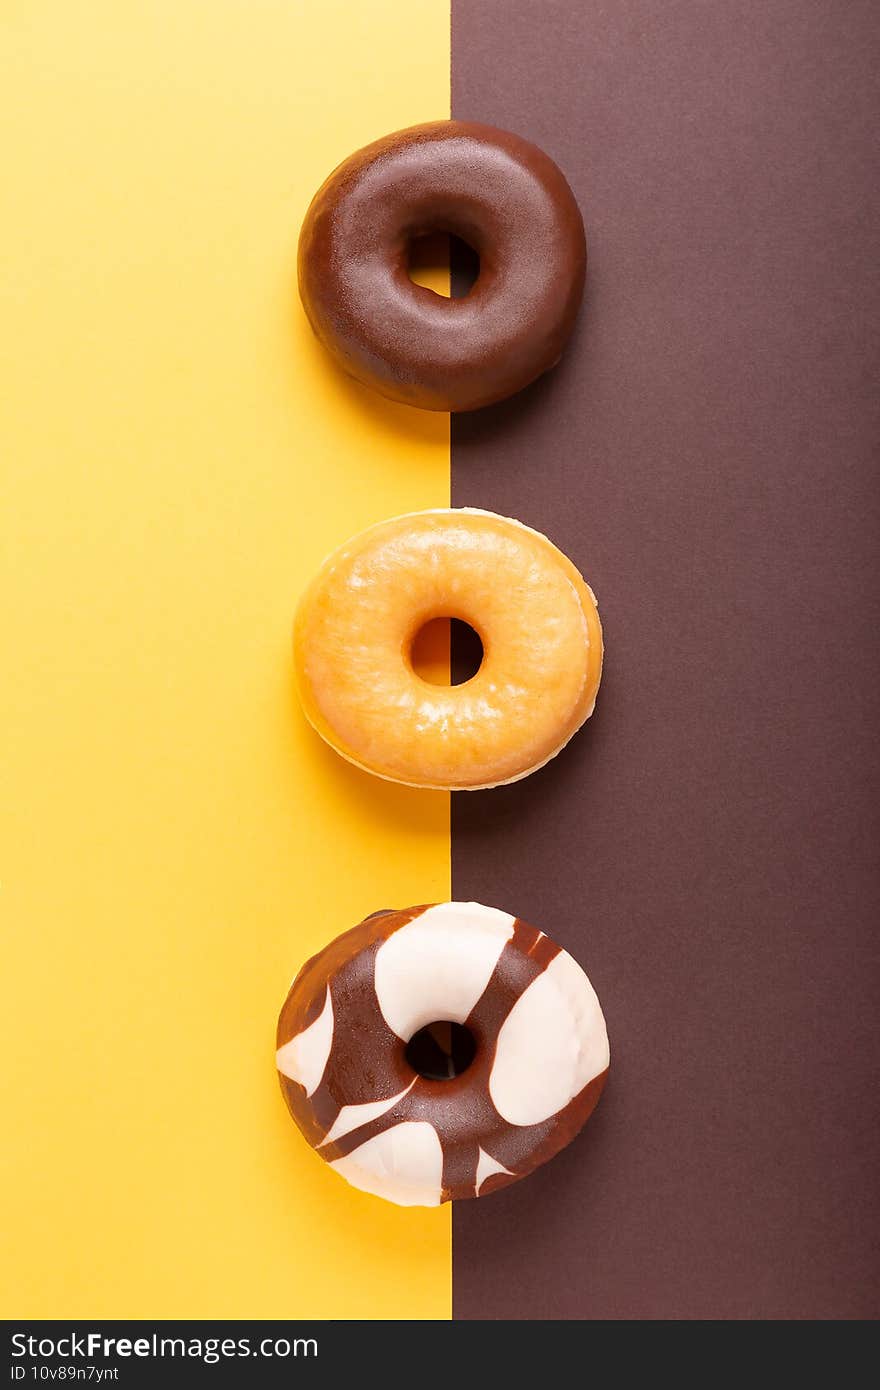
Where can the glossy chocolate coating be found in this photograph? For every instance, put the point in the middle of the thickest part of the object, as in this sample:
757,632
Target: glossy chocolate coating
367,1062
493,190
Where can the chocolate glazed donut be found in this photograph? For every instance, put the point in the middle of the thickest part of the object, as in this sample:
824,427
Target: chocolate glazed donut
539,1066
493,190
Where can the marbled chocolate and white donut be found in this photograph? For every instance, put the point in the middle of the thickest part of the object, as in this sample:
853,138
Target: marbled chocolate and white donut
539,1045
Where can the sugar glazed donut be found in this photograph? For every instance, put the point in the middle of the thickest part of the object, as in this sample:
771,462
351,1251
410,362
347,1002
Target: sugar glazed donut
539,1065
535,615
495,191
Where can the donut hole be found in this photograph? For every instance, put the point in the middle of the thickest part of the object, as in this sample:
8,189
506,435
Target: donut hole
446,651
442,262
441,1051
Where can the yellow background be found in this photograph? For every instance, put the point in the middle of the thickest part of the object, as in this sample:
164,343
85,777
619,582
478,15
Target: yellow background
177,457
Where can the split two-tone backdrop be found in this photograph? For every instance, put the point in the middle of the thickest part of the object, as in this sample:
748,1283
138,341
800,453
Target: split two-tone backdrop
178,456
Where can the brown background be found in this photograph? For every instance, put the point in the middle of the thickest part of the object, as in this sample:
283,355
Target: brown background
707,846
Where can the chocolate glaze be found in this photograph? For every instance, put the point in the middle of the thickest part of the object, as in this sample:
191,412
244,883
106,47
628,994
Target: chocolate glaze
367,1061
499,194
